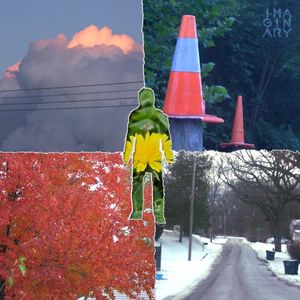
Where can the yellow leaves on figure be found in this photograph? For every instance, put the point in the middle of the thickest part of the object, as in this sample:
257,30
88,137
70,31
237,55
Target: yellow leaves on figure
147,151
148,141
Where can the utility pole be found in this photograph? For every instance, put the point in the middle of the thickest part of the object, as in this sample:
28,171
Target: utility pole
192,208
225,223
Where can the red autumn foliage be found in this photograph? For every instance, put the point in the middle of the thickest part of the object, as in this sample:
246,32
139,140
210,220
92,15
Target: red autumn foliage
67,215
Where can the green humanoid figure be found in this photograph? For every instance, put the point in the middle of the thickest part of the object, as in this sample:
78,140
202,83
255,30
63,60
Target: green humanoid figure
148,138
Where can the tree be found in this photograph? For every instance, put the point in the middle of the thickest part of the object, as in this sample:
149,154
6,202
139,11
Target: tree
222,203
267,180
264,70
178,184
64,228
216,188
236,55
161,23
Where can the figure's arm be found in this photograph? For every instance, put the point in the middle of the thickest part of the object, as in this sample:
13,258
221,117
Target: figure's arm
167,147
128,143
128,148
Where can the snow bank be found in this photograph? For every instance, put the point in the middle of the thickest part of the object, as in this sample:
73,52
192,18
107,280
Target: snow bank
179,274
276,266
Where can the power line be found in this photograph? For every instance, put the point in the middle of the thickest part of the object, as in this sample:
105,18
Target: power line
69,94
66,108
68,101
71,86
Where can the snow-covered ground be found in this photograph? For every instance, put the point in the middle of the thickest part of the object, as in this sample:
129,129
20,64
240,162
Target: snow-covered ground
276,266
178,274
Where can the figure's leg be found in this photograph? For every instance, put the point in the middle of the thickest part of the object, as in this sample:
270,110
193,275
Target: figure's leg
137,195
158,198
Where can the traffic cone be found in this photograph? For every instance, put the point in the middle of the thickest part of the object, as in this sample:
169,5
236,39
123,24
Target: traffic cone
237,136
184,97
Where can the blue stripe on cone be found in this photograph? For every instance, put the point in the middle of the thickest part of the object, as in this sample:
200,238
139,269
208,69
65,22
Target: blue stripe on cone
186,57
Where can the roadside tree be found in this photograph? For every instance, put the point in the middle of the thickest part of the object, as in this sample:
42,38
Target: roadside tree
267,180
178,187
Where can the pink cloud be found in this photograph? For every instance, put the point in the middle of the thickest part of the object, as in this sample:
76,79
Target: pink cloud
11,71
93,36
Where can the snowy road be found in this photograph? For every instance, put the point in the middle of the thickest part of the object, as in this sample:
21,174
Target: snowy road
240,275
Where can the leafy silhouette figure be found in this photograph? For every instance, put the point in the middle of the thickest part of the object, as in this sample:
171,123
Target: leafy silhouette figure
148,140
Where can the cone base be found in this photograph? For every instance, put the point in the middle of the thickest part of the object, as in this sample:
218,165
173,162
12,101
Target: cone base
237,145
203,118
187,134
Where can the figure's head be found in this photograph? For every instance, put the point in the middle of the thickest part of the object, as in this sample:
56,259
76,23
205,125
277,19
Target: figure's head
146,97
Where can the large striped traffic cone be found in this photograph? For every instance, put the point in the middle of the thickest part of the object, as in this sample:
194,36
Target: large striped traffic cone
237,137
184,97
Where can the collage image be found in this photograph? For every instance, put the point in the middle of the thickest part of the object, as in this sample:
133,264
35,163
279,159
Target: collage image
149,150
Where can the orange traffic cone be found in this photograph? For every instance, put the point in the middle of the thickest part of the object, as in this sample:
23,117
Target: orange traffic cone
184,97
237,137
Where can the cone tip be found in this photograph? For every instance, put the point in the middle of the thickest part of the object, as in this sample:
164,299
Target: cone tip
188,27
239,102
